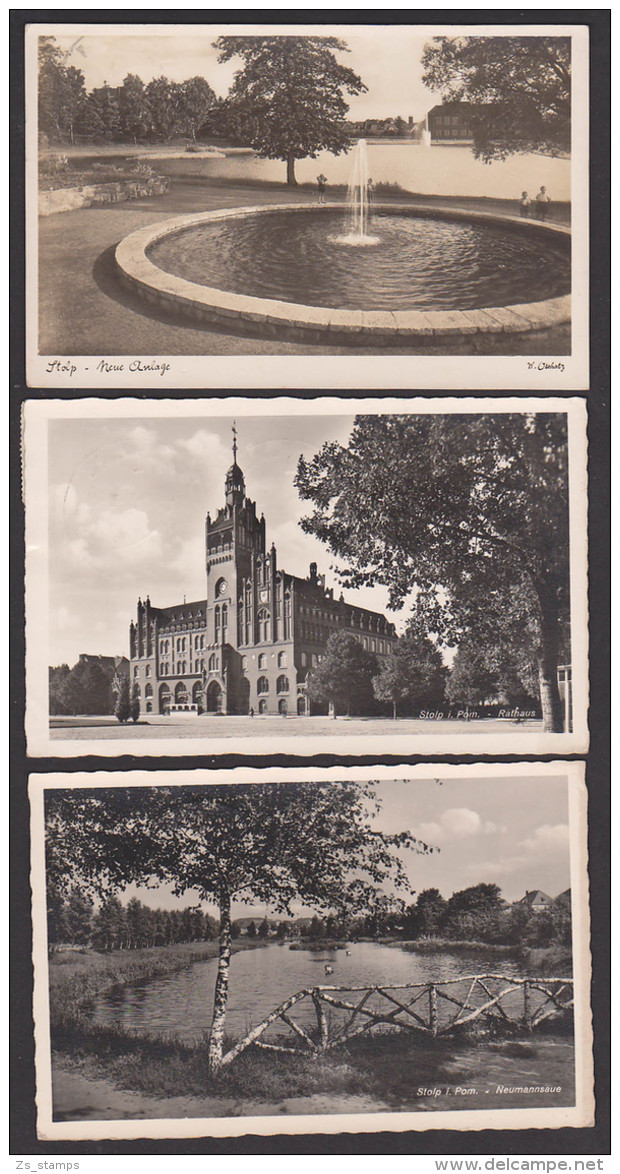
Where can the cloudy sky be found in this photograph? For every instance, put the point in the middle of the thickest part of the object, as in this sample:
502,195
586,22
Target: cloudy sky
512,832
127,504
393,75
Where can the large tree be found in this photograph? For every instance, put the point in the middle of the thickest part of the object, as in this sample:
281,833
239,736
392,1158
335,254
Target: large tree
498,671
287,101
267,843
196,99
519,89
464,515
133,107
344,675
413,674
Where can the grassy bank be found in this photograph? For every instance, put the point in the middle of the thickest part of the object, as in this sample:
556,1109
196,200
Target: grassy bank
537,960
77,977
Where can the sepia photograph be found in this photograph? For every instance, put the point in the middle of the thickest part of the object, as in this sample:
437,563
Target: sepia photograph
225,576
263,196
218,954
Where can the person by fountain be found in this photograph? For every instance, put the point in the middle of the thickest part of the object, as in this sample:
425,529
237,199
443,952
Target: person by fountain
370,188
525,204
321,183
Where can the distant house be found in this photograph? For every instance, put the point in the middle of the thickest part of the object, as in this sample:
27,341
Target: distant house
536,901
449,122
563,900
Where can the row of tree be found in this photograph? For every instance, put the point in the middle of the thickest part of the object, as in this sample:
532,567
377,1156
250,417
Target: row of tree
287,101
89,687
73,919
479,914
412,677
475,914
156,111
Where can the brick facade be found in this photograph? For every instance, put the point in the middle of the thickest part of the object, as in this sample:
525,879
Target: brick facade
251,643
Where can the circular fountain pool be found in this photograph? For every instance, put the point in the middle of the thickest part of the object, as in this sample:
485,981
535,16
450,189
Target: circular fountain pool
429,271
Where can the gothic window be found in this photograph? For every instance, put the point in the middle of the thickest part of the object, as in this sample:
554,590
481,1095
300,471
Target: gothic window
304,660
136,671
213,663
148,670
262,660
244,663
137,691
282,660
224,621
264,625
148,692
262,685
217,622
282,684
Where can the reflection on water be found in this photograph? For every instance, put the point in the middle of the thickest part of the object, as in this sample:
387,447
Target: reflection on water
418,263
180,1005
441,171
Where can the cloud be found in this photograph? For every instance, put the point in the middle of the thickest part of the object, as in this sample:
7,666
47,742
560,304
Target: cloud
458,823
206,447
547,838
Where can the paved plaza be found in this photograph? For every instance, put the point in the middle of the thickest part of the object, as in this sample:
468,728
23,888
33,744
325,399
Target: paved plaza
211,726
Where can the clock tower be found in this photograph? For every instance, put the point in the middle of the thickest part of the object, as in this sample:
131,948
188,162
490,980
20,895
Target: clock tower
233,539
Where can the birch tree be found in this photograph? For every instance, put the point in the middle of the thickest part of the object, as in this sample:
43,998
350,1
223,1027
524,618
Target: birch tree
259,843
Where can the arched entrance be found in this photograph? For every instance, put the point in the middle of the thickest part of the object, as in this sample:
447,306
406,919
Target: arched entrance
301,706
164,698
262,705
214,697
180,694
197,698
283,706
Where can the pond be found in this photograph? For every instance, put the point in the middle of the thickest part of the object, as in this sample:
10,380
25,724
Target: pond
412,264
436,170
180,1005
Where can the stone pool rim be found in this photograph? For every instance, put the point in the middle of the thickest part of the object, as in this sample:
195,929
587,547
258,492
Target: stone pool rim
207,304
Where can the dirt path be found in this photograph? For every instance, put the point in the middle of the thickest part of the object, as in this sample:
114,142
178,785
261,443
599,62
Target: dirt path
80,1098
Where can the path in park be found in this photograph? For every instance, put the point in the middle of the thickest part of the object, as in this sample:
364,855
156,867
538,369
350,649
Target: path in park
83,310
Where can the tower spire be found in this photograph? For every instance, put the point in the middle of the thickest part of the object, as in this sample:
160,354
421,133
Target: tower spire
234,446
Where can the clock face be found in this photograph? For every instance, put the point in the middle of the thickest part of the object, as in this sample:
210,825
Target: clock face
222,587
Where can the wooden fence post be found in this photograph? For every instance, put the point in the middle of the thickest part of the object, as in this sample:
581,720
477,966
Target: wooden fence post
527,1006
321,1019
432,1007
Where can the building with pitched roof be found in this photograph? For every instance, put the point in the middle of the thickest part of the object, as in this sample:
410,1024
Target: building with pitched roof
251,642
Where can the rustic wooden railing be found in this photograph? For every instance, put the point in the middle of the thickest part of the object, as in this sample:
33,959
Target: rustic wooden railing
423,1007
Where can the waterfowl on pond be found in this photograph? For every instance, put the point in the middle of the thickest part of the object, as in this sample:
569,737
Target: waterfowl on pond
329,970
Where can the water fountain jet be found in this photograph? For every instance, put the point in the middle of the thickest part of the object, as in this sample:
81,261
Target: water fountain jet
358,203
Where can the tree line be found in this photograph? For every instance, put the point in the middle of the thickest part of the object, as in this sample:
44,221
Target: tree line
157,110
73,919
474,914
288,98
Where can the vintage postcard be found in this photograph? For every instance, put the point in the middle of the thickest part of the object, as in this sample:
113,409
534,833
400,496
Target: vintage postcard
284,576
239,206
311,951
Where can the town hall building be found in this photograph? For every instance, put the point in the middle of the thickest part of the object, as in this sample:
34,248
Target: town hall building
251,643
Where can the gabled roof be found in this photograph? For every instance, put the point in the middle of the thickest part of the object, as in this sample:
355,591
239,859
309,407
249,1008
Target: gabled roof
535,897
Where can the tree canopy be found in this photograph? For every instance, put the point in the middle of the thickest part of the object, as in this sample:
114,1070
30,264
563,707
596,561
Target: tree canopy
344,675
271,843
287,101
519,88
464,515
412,675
